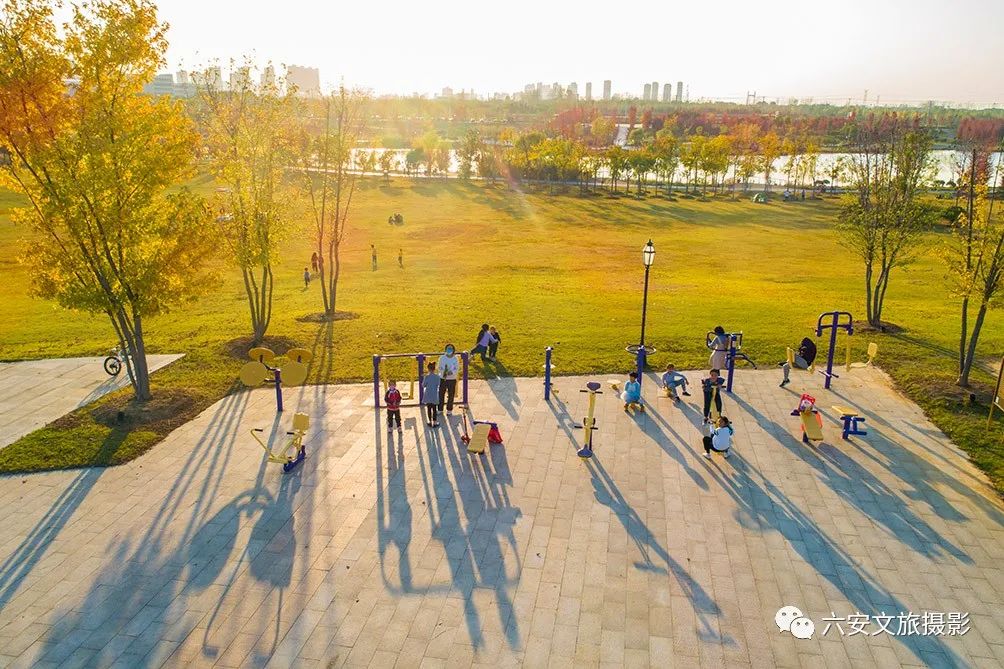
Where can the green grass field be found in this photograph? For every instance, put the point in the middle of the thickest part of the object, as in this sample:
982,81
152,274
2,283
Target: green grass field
543,269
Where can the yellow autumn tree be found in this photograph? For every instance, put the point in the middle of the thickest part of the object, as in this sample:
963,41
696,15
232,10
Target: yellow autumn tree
98,162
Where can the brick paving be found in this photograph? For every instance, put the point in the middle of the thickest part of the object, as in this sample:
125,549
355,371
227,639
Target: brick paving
405,551
33,393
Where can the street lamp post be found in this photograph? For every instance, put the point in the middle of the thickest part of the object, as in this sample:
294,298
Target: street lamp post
648,257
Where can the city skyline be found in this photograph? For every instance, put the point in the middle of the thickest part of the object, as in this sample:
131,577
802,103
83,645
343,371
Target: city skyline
817,53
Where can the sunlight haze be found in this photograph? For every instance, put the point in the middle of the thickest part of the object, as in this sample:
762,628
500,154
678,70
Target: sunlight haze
899,51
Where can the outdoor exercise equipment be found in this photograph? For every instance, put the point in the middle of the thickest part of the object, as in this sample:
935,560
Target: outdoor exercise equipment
640,354
872,352
548,368
615,386
589,422
293,372
812,420
485,432
852,421
714,413
294,451
420,360
996,401
839,320
733,353
790,352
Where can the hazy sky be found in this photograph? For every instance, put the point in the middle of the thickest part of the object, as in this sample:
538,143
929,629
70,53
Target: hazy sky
901,50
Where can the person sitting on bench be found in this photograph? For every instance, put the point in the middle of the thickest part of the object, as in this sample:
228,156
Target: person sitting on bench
804,357
719,438
632,391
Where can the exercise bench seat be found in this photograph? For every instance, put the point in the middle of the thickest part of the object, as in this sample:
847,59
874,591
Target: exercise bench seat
852,420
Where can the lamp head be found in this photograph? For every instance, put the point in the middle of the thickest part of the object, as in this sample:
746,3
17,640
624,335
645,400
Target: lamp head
648,254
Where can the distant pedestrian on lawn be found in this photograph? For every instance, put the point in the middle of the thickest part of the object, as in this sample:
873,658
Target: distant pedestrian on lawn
719,346
493,348
804,357
449,370
719,438
672,380
400,258
313,262
373,256
306,278
430,395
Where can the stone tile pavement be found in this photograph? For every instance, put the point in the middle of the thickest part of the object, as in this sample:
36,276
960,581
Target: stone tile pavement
33,393
405,551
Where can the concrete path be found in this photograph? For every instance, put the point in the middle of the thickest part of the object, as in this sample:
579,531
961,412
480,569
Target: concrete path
406,551
33,393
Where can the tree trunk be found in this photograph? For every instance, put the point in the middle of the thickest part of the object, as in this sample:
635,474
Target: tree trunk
970,356
868,294
963,336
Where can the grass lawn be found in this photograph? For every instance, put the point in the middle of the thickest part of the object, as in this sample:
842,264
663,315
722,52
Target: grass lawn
544,269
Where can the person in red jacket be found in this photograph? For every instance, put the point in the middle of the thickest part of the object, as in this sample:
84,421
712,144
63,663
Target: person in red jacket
392,398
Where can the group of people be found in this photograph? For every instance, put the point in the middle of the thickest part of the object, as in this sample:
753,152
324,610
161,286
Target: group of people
486,344
439,390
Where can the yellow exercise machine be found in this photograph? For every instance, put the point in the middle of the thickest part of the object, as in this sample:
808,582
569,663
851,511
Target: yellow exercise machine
872,352
294,451
791,361
293,372
812,420
589,422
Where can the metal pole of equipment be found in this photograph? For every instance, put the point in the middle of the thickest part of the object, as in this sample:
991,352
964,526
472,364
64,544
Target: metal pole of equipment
376,381
278,389
547,373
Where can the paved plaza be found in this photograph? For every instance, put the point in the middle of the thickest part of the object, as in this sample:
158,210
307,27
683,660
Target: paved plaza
406,551
33,393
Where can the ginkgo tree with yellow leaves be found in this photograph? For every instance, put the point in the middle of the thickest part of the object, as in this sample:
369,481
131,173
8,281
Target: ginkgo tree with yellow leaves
98,162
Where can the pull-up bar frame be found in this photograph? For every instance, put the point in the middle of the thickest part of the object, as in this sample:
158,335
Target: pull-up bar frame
420,359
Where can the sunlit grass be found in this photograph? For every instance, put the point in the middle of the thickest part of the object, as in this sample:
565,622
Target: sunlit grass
543,269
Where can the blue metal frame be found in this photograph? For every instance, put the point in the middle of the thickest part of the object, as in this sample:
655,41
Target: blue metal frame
833,327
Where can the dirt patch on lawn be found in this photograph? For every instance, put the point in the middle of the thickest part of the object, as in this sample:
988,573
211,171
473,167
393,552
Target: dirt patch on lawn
169,409
238,348
322,317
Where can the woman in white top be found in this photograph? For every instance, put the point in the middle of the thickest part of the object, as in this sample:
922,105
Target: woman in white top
449,369
719,438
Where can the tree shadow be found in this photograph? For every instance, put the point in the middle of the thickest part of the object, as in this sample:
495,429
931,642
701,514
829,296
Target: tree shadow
140,590
608,494
864,491
762,506
664,441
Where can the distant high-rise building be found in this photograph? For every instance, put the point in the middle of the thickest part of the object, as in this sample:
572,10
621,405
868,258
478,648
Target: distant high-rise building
184,87
648,92
447,92
573,91
667,92
162,84
307,80
268,77
212,78
679,91
589,90
655,91
606,89
181,77
240,78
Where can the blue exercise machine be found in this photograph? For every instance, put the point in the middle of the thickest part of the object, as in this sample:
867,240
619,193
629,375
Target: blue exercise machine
838,320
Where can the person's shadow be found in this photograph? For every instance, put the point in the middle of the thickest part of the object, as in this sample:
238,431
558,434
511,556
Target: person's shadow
503,386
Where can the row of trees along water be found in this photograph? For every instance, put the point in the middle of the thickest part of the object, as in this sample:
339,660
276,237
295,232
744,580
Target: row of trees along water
113,231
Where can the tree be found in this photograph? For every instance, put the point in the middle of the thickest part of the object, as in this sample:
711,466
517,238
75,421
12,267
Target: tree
387,163
467,153
603,130
769,150
251,141
616,164
885,219
111,233
429,143
975,254
642,162
488,163
329,185
414,159
666,150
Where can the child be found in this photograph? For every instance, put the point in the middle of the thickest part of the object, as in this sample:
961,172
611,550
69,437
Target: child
493,347
719,439
484,340
306,278
392,398
632,391
713,381
673,379
430,395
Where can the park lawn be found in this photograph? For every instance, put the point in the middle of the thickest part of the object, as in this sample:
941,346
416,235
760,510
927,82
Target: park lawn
545,269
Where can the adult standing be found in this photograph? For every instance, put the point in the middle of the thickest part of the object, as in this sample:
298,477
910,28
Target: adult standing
719,346
313,262
449,370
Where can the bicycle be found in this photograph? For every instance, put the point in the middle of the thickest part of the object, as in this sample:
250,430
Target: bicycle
113,363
